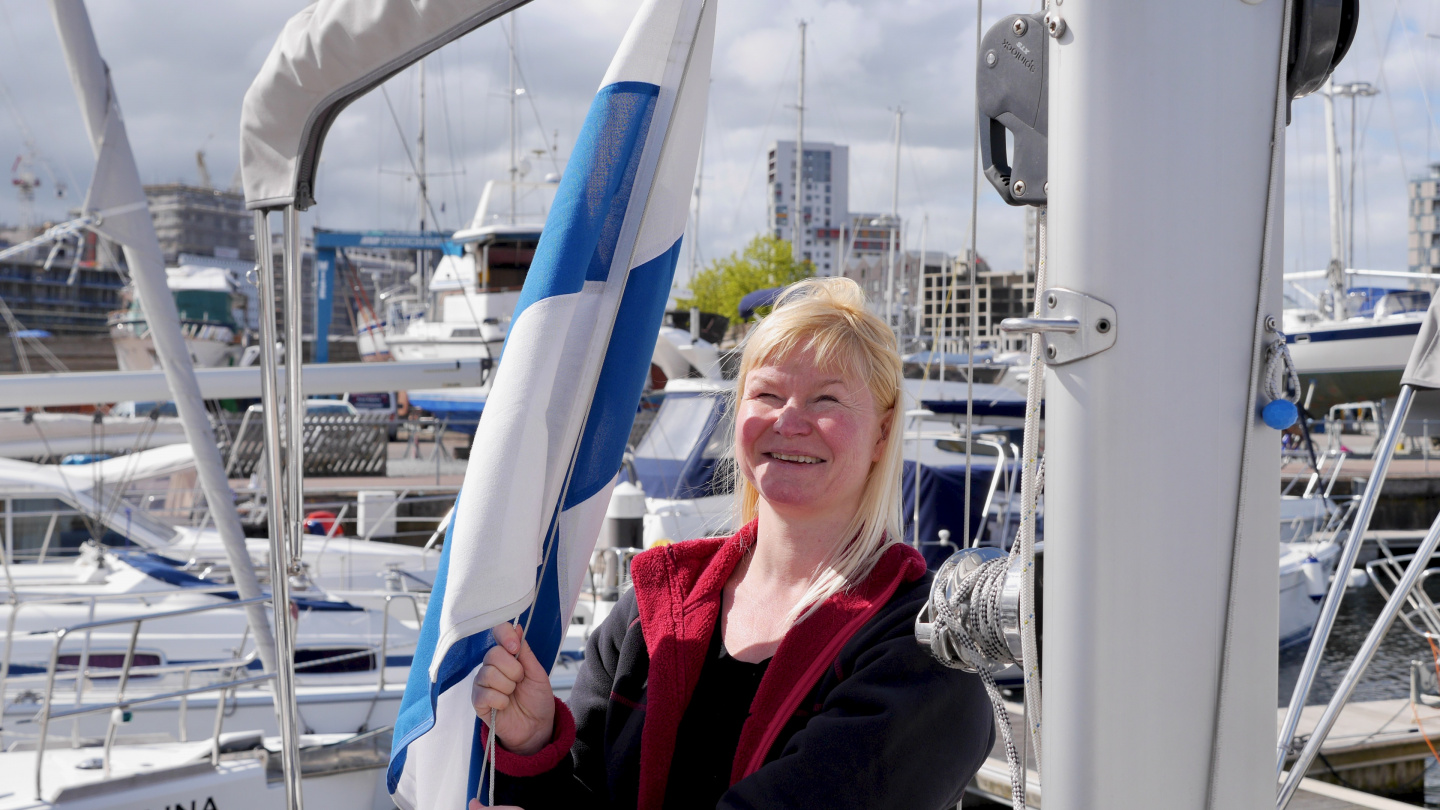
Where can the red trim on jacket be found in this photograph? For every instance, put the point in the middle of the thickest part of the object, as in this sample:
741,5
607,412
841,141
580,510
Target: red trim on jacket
562,738
679,588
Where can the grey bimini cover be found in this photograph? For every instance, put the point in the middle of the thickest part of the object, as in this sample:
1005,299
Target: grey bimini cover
328,55
1423,370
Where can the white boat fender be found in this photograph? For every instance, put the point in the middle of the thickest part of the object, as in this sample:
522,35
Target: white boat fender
1356,578
624,517
1315,579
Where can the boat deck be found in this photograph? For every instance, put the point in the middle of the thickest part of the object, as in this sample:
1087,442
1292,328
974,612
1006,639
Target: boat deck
1375,735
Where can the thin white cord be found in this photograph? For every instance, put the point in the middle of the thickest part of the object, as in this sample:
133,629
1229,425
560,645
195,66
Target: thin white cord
1032,468
974,304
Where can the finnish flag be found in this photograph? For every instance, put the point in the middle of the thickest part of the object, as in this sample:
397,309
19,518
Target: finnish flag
548,449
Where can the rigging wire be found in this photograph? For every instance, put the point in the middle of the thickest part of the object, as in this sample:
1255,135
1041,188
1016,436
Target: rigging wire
450,139
1424,94
760,147
410,156
974,262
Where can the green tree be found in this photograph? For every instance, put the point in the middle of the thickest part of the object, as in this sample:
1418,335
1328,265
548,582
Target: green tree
765,262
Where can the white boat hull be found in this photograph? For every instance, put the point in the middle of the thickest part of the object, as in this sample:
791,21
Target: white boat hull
137,353
1353,360
177,776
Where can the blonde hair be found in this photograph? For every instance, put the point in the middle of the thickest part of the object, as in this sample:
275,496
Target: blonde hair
828,317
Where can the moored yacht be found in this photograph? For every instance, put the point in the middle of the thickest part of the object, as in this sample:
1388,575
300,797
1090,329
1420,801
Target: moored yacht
213,317
467,303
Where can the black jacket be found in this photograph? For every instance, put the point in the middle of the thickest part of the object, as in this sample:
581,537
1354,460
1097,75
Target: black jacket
874,724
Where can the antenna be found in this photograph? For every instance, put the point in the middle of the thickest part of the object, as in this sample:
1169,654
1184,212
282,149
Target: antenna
894,224
797,217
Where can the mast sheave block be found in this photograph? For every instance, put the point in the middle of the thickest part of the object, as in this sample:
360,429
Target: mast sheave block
1011,93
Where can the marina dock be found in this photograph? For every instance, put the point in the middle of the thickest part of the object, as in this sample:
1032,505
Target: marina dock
1374,743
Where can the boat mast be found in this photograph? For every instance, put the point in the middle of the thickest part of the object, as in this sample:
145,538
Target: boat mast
514,120
916,299
797,216
422,177
1195,611
117,187
1335,272
695,226
894,225
1351,90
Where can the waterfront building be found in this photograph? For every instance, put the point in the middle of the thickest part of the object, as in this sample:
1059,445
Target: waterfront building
826,201
1424,241
201,221
946,306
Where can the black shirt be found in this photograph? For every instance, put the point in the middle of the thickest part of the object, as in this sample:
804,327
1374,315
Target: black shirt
710,730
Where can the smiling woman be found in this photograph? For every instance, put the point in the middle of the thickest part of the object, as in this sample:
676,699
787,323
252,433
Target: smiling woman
822,373
776,667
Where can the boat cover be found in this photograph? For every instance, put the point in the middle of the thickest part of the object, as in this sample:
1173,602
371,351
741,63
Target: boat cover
328,55
942,506
1423,370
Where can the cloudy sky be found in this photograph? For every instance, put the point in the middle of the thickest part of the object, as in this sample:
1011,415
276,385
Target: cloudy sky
181,68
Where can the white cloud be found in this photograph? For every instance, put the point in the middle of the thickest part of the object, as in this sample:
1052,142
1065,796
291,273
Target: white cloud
181,68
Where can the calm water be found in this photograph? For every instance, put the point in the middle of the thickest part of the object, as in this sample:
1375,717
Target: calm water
1388,675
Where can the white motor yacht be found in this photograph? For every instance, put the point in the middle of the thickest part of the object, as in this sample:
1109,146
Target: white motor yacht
466,307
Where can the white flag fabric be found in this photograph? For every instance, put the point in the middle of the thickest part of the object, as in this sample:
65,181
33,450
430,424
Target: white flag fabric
549,446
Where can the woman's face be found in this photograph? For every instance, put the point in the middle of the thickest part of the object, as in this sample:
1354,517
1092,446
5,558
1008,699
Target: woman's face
807,437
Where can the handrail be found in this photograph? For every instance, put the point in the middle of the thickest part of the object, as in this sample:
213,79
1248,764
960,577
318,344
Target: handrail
385,629
1419,600
168,614
18,600
80,711
1000,466
62,633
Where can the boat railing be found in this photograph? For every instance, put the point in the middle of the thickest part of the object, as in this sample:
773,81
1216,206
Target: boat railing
1422,616
391,598
18,601
612,566
121,705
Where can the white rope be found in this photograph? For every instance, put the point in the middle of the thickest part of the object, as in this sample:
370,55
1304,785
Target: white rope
1281,379
1031,472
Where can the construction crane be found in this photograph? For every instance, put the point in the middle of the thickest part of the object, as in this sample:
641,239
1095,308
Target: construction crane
203,169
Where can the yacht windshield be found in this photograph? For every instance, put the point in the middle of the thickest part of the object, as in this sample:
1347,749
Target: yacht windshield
46,528
677,427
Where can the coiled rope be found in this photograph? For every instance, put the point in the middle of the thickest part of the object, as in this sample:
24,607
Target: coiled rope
967,611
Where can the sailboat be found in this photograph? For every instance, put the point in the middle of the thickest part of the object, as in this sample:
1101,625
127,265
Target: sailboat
1351,341
1157,137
